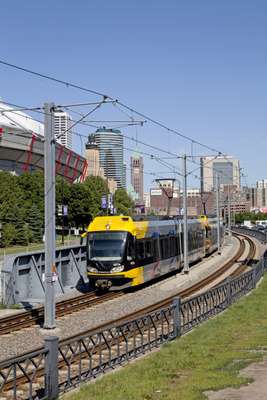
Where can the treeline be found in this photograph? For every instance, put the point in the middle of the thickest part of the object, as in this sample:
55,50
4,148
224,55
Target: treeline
249,216
22,205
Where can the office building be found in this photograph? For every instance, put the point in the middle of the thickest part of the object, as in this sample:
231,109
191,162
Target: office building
262,184
261,194
63,132
110,145
92,157
227,168
137,176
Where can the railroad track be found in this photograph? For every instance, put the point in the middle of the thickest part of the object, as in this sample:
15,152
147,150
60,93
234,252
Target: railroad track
64,307
99,352
35,316
249,259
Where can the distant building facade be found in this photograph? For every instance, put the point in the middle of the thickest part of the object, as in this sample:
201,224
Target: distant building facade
197,204
62,125
261,194
110,145
92,158
112,185
137,176
227,168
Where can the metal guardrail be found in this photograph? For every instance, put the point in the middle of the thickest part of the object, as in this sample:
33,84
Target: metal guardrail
68,363
260,235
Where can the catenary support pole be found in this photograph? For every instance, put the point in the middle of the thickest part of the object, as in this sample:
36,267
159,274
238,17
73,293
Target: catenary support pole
62,211
50,268
51,367
218,213
186,265
229,212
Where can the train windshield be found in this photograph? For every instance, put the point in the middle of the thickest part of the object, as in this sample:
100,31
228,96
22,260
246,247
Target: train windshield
106,246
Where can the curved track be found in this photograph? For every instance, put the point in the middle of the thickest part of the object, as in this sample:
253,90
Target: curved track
39,373
35,316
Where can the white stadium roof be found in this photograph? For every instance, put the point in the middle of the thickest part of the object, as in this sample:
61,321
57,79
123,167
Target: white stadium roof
19,120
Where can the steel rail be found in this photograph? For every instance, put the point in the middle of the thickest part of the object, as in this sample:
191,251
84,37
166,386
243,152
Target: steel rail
22,380
29,318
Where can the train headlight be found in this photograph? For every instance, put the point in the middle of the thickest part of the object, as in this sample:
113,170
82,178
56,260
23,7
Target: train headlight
117,268
92,269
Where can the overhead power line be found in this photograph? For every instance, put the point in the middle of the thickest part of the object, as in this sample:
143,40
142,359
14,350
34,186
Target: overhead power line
116,101
51,78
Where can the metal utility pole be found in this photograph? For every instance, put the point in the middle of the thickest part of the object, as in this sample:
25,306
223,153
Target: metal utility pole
186,265
50,267
218,213
229,212
62,210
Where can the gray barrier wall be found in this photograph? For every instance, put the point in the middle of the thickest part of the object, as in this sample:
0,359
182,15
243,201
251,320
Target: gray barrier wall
22,275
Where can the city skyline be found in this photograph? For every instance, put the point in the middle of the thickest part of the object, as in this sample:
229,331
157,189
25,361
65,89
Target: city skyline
211,63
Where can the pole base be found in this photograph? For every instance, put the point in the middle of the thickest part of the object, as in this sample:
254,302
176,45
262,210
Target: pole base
185,272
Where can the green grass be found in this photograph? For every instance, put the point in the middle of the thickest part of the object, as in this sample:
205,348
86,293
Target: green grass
35,246
11,307
209,358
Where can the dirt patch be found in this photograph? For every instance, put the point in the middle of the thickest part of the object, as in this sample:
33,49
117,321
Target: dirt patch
257,390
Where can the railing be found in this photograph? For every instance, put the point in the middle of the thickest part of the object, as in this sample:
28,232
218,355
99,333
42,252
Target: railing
260,235
89,356
24,372
68,363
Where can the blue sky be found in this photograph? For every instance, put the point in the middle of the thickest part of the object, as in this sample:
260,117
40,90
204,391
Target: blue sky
197,66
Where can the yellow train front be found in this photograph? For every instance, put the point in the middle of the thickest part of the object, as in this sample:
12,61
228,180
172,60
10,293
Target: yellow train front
122,252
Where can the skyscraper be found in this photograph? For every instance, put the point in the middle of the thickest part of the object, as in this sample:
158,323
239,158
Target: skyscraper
110,144
92,157
227,167
63,132
137,176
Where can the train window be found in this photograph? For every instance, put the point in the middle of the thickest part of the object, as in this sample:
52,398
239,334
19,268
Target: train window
173,246
178,239
130,249
155,249
165,247
162,248
148,249
141,249
189,240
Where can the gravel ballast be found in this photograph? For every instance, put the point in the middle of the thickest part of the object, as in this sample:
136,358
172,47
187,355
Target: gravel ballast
30,338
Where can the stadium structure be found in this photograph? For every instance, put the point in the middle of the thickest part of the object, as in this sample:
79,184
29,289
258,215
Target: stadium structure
22,147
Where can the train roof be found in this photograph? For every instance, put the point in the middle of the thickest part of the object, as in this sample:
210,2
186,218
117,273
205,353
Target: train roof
141,228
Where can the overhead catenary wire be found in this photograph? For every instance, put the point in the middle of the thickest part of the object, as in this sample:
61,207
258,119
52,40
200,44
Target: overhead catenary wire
91,91
86,123
81,119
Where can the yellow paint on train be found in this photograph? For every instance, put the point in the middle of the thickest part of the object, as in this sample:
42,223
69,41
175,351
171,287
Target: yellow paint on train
112,223
119,223
136,274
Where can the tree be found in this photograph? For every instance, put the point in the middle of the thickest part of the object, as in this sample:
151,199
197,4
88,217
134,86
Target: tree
32,188
8,234
241,217
96,187
123,202
79,205
22,233
35,224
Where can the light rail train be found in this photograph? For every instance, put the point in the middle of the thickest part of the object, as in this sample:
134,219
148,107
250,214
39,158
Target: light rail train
123,252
